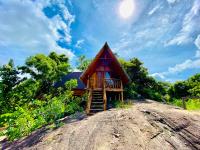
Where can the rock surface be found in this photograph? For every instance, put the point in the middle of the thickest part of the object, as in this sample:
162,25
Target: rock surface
146,125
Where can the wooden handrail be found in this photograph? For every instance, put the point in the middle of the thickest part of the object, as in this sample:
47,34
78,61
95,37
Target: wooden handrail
112,83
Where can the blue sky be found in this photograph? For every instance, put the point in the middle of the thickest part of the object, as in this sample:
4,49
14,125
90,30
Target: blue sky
164,34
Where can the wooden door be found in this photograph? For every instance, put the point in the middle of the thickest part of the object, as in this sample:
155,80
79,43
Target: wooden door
99,79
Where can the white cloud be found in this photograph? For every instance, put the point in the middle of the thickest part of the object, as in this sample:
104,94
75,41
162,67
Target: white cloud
190,25
188,64
158,75
79,43
152,11
197,42
197,54
171,1
24,26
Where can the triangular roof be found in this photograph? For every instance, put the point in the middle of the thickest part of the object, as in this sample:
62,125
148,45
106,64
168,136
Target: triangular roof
116,66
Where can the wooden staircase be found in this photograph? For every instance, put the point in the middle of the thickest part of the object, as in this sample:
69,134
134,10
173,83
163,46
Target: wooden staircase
97,102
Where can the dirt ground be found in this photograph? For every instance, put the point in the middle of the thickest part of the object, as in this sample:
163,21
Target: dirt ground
146,125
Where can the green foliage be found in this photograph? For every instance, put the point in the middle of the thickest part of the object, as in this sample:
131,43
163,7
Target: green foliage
20,124
54,110
24,92
190,87
34,101
194,84
142,85
74,105
4,118
177,102
46,70
9,78
124,105
25,120
193,104
179,89
83,62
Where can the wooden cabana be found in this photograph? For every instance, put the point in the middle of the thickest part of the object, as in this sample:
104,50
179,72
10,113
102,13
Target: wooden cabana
103,76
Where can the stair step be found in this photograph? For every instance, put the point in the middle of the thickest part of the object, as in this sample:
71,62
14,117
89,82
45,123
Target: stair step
97,98
98,108
95,110
97,102
94,102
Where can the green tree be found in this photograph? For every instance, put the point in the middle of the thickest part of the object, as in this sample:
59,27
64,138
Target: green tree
9,79
83,63
46,70
194,84
1,94
179,89
141,83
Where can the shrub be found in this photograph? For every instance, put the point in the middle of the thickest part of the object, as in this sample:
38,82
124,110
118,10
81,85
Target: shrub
4,118
54,110
20,124
177,102
193,104
73,106
120,104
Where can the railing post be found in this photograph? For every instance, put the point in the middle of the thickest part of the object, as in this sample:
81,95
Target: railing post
122,92
89,101
89,89
104,95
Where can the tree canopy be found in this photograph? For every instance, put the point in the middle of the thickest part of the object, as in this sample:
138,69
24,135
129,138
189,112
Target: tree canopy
83,63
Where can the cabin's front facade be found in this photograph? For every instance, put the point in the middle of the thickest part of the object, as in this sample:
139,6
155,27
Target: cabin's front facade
104,79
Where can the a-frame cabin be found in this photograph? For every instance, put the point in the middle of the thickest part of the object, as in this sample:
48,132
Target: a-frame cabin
104,79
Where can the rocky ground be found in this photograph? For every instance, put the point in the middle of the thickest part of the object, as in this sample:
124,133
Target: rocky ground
146,125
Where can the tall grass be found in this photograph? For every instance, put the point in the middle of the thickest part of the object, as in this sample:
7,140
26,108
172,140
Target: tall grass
191,104
125,105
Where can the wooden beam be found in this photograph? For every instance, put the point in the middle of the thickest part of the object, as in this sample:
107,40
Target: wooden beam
122,96
104,96
122,93
89,101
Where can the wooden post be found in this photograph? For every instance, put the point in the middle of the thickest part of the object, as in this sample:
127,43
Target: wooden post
88,83
89,101
183,102
104,95
122,94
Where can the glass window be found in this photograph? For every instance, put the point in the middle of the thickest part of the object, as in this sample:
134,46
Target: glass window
107,75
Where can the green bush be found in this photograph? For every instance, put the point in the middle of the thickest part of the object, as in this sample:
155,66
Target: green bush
4,118
193,104
120,104
20,124
177,102
73,106
54,110
25,120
